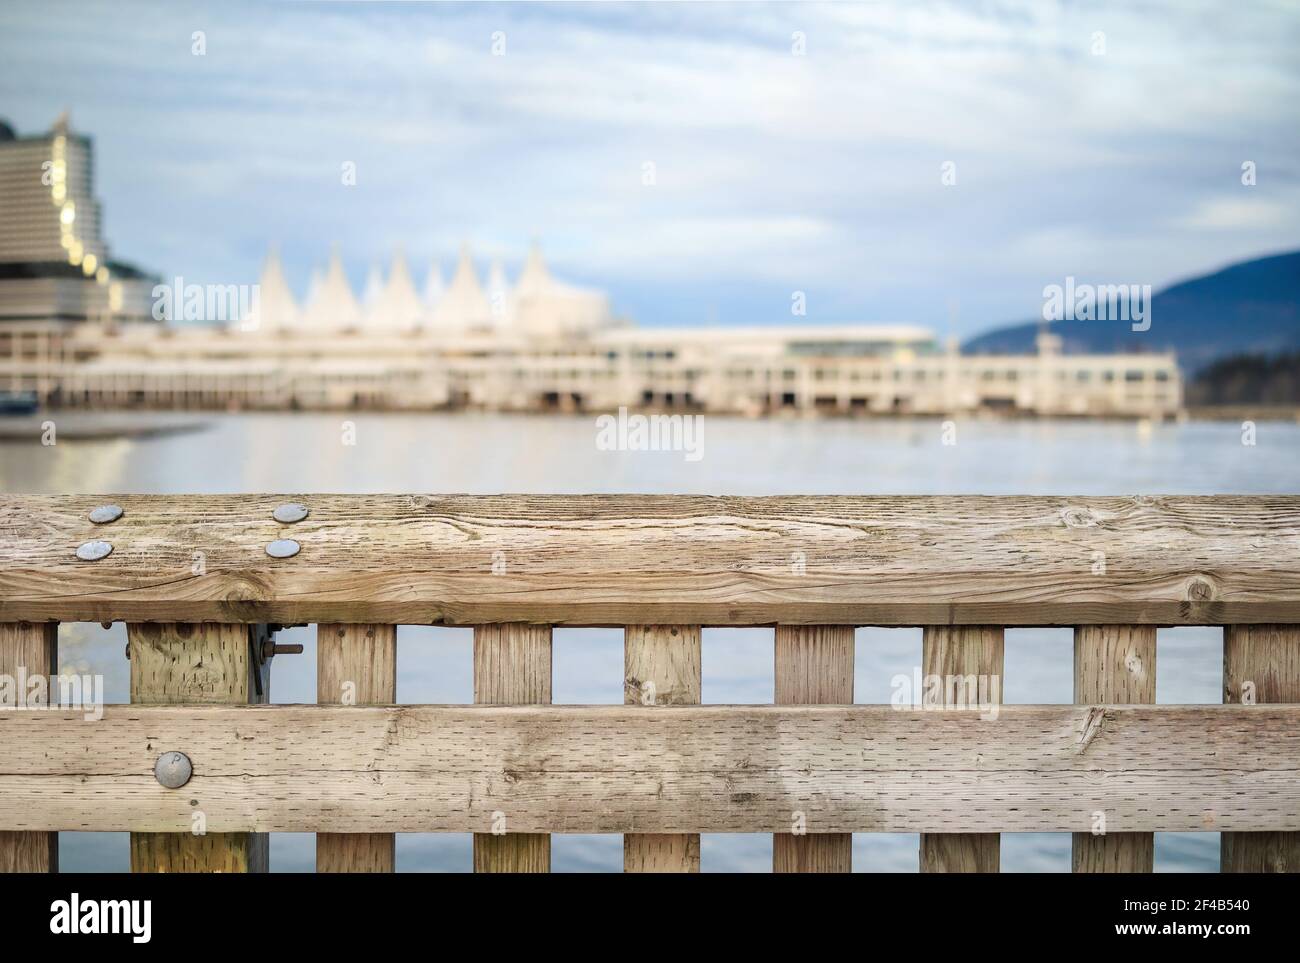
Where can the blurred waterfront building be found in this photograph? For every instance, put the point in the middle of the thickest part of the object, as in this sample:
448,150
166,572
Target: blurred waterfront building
56,272
79,329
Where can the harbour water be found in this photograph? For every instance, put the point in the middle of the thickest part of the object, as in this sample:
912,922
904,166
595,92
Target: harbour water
301,453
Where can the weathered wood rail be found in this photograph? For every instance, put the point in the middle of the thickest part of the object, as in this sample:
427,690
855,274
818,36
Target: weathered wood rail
192,577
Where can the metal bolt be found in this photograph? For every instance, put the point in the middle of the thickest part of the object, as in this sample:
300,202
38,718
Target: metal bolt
173,769
270,648
105,514
290,513
93,551
283,548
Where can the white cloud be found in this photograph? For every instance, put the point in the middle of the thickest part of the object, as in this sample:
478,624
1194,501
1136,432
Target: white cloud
1236,214
821,169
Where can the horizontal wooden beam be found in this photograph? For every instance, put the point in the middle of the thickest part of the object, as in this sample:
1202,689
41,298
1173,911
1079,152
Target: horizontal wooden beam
643,559
610,769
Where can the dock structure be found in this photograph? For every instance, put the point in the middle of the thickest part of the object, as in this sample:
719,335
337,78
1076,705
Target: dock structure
833,370
199,767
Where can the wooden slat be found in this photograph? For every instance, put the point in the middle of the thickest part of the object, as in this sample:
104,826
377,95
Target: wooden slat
512,665
814,666
962,653
648,560
1117,664
1261,664
33,650
194,664
661,852
661,667
356,665
676,769
226,852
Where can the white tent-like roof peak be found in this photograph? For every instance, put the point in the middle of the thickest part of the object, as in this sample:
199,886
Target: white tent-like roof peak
398,307
335,307
464,305
274,308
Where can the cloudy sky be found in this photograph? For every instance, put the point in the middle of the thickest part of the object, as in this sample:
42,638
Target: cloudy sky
1104,141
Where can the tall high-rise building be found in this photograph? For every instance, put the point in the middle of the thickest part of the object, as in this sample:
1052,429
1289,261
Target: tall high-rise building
54,263
47,211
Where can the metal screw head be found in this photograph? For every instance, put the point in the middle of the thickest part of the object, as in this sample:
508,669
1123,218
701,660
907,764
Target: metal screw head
105,514
283,548
93,551
290,513
173,769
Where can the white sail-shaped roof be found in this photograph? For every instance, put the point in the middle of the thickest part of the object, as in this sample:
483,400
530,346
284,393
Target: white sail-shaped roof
398,307
273,308
463,305
335,307
544,306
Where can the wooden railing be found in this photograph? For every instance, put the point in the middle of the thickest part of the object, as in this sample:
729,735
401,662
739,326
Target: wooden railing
192,577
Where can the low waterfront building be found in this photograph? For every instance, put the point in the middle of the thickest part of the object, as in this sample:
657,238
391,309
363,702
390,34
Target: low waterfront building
79,329
832,370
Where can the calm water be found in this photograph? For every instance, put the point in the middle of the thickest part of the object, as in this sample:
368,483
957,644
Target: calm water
496,453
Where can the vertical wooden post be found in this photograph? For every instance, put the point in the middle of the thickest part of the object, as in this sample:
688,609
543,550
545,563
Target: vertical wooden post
512,666
814,666
208,663
1114,664
356,665
963,656
33,649
661,667
1261,664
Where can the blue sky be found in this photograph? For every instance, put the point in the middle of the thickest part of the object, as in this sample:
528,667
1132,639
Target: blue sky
774,172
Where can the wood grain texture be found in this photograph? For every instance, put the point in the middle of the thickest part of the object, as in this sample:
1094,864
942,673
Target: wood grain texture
969,660
174,663
1265,656
356,665
1117,664
512,665
674,769
661,852
814,666
662,666
642,559
29,650
210,853
1261,665
22,852
191,664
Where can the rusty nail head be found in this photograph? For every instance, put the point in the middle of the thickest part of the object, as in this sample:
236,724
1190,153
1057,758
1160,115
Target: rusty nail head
105,514
93,551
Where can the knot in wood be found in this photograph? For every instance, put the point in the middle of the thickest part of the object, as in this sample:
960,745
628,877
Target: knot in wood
1078,517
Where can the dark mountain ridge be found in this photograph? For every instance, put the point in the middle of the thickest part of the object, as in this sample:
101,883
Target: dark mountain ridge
1251,308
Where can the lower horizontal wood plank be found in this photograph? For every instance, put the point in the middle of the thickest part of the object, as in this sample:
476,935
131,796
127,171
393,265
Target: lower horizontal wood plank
607,769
